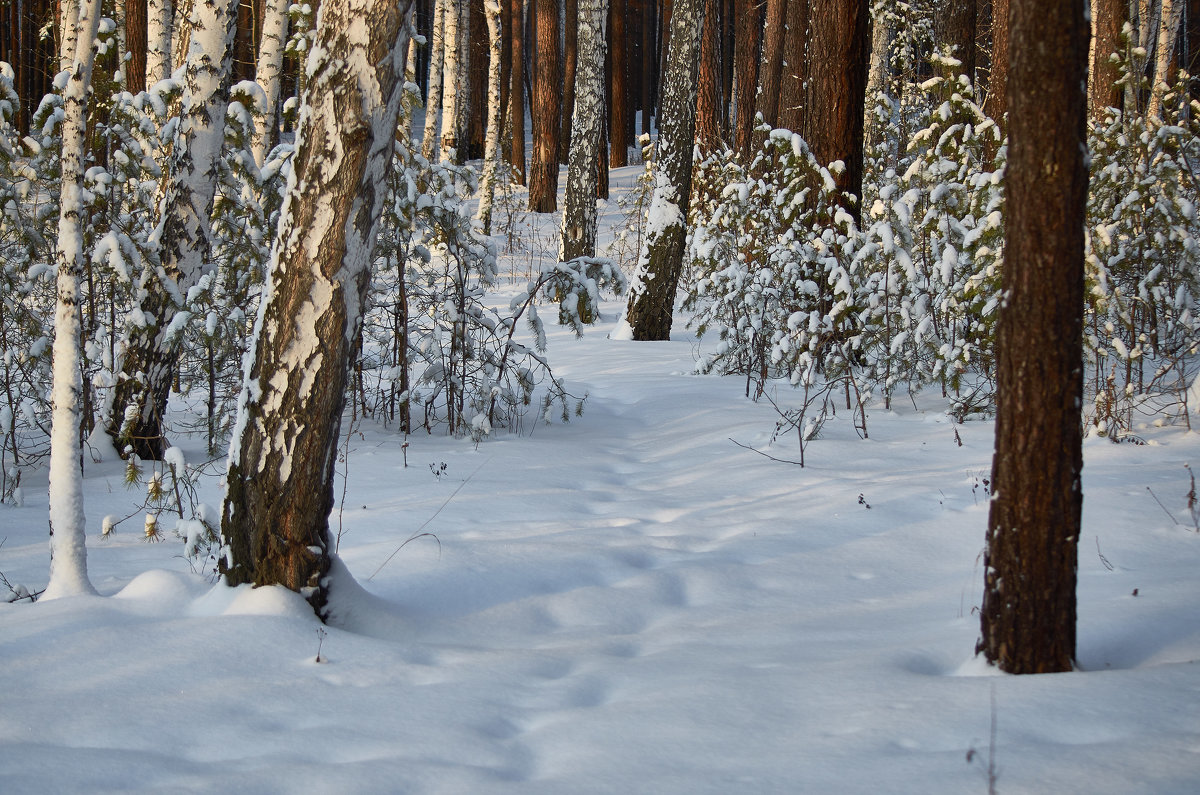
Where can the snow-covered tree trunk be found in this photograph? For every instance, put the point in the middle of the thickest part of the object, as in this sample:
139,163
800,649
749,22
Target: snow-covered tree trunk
275,520
182,236
267,74
433,95
660,263
159,23
1170,15
491,153
452,75
68,552
578,237
68,33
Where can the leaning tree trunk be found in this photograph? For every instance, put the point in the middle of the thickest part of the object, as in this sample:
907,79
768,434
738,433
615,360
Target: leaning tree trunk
1028,613
578,237
68,552
547,87
267,74
660,263
139,400
275,520
491,154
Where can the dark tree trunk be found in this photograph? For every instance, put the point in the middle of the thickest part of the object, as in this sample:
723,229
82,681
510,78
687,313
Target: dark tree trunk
995,104
795,69
649,64
275,520
477,68
618,111
660,262
135,40
505,69
1109,17
956,31
747,51
839,57
770,76
708,128
570,62
516,94
547,98
1028,614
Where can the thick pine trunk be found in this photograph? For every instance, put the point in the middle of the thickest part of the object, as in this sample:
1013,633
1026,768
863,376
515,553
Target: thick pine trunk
794,74
746,54
955,30
275,520
135,41
1108,18
708,128
547,97
660,263
1028,613
183,235
618,111
578,237
995,104
770,76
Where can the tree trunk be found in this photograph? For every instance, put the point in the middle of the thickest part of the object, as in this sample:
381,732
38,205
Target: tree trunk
878,79
135,40
578,237
543,170
516,92
159,24
746,54
475,112
1028,614
995,104
771,75
837,87
275,520
1171,15
955,31
649,64
1108,18
452,78
68,550
268,74
570,65
491,155
182,236
794,72
708,129
618,119
68,33
660,262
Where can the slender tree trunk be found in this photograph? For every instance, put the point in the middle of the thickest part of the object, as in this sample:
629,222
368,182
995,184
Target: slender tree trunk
452,78
771,75
159,24
570,64
649,64
543,170
1170,17
275,520
1108,18
68,33
1028,614
516,93
878,79
833,119
618,119
182,236
268,74
433,95
68,550
578,238
746,55
660,262
708,128
135,40
995,104
794,73
491,156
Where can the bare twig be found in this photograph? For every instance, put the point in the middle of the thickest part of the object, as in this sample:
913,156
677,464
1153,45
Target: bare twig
765,455
1160,505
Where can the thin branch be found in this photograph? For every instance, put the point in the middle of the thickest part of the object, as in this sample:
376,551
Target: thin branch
764,455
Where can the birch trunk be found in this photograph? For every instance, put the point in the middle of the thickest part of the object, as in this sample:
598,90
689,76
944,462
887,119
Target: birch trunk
159,22
491,153
68,551
578,238
433,94
68,33
452,77
1170,16
182,236
275,519
267,74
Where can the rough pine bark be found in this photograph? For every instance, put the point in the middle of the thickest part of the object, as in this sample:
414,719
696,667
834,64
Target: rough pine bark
770,76
268,73
275,519
516,92
746,53
837,86
618,110
578,238
135,41
794,72
1028,613
995,104
708,128
183,237
68,551
546,110
1108,18
954,30
649,66
660,262
570,67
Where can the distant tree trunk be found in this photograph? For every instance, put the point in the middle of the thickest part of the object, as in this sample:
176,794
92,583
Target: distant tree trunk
135,40
516,93
543,170
660,262
1171,16
491,154
159,24
578,237
1108,18
477,101
453,76
183,236
837,87
955,30
770,76
708,129
794,73
68,550
275,519
1028,614
268,73
570,64
746,54
995,104
649,64
878,79
433,94
618,119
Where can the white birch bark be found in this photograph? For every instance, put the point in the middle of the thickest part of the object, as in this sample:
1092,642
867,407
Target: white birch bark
181,33
451,77
267,73
491,148
1144,13
410,76
68,33
159,23
68,551
882,35
1170,15
122,44
433,96
578,232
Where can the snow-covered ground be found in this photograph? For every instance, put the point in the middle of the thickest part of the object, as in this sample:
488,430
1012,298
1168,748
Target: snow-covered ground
626,603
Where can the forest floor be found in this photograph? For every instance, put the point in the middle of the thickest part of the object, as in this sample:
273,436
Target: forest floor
629,602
